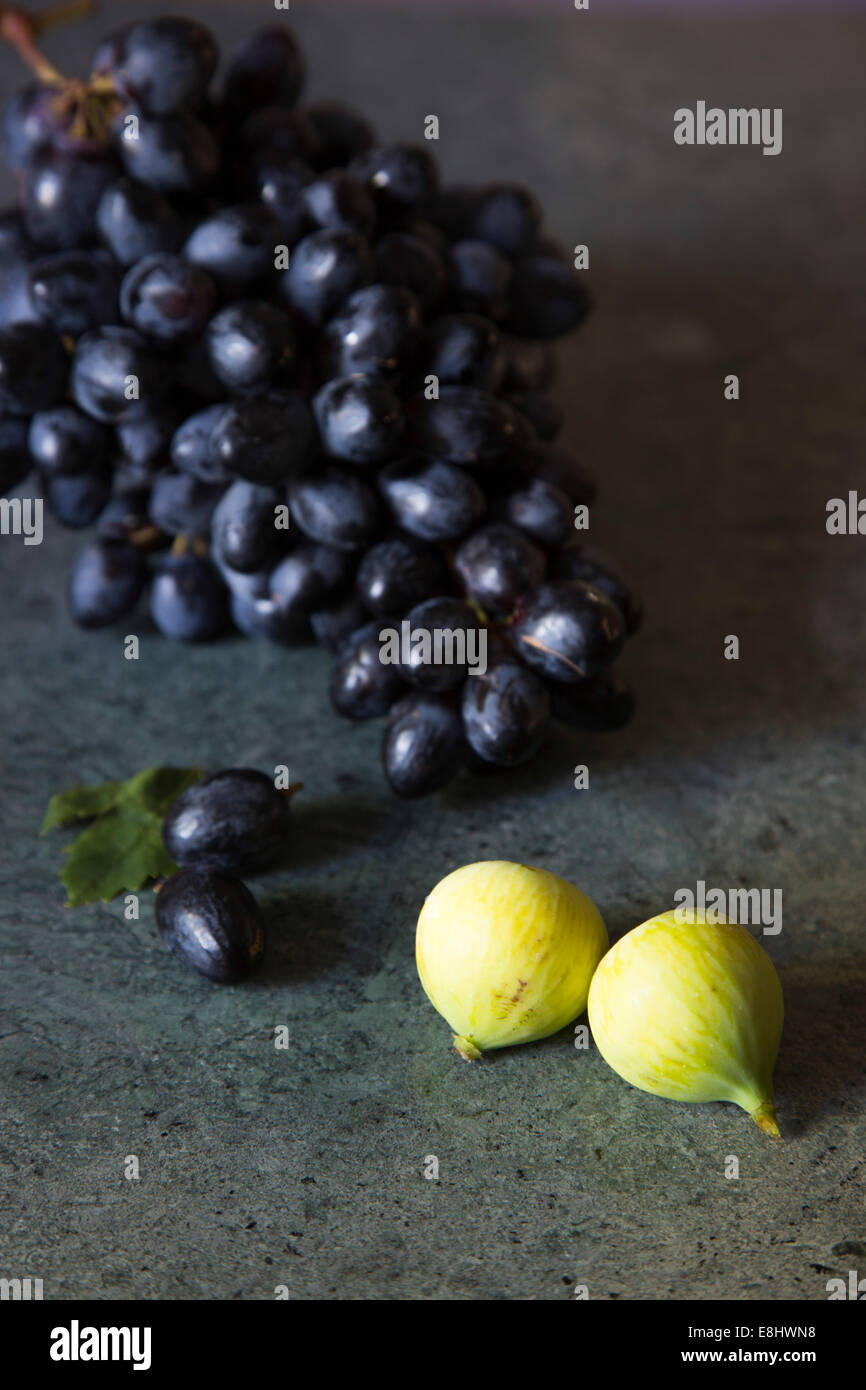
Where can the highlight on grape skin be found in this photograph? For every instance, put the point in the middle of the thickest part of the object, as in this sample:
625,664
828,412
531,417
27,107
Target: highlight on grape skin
691,1010
506,953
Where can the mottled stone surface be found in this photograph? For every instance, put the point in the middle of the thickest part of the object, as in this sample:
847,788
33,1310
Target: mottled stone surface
305,1166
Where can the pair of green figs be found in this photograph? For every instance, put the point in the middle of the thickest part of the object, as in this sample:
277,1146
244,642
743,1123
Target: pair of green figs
681,1007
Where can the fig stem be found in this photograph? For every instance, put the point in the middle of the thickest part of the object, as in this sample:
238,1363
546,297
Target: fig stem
766,1120
467,1049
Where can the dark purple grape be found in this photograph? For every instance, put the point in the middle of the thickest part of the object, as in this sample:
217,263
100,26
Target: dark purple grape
251,345
466,350
543,512
188,600
498,565
280,186
335,622
15,458
465,426
363,686
193,447
267,69
324,270
307,579
274,134
586,563
543,412
161,64
181,505
265,439
172,154
74,291
212,923
264,612
548,298
31,121
166,298
342,133
423,747
145,440
125,518
335,507
339,201
76,499
60,196
244,535
255,612
360,419
377,331
431,500
397,574
411,263
106,583
482,277
409,223
236,246
62,440
507,216
446,639
33,368
452,210
263,619
135,221
602,703
114,375
232,820
402,174
15,303
568,631
506,713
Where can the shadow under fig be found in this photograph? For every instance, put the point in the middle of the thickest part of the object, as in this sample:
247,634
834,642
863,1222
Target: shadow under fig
821,1071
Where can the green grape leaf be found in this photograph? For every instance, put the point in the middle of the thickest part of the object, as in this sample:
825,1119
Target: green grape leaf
121,848
80,803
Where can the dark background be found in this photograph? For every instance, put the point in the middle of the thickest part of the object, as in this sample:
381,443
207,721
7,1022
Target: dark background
305,1167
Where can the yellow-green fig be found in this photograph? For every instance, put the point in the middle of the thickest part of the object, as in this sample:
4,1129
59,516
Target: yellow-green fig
691,1010
506,953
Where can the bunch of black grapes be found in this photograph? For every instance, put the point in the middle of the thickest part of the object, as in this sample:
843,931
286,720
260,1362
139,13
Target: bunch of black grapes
301,388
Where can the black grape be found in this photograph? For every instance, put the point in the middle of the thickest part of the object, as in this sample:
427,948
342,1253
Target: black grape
423,747
106,583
